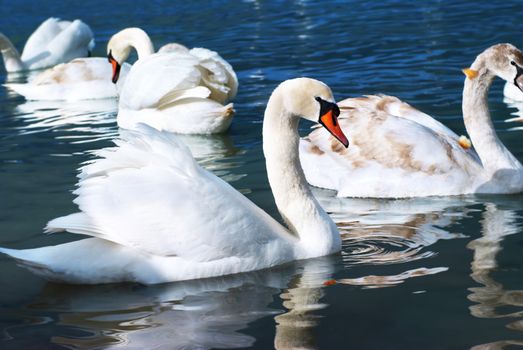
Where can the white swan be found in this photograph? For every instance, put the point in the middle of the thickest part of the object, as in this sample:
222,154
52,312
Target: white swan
53,42
87,78
398,151
80,79
157,216
176,89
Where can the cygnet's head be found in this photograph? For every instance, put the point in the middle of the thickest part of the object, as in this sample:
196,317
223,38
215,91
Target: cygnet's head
502,60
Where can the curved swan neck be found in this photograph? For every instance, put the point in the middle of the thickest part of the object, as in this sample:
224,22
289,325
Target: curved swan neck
12,60
300,210
493,154
132,38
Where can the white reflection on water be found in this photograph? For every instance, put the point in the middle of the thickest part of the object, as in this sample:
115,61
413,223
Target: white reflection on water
382,232
94,120
491,298
517,114
200,314
82,121
373,281
302,298
393,231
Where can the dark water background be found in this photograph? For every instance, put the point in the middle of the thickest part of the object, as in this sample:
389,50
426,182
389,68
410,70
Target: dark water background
436,273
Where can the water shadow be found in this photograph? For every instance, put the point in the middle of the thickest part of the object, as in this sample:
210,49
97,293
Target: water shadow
491,299
202,314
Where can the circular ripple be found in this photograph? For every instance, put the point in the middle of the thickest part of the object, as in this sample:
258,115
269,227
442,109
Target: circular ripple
381,249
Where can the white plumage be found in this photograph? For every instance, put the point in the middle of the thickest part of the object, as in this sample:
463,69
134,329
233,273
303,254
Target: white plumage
155,215
81,79
398,151
176,89
53,42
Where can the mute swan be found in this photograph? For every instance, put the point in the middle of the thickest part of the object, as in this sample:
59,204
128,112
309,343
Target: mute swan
142,203
398,151
81,79
176,89
53,42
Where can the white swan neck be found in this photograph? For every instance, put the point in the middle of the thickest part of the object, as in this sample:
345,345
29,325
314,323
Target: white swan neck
493,154
133,38
12,60
301,212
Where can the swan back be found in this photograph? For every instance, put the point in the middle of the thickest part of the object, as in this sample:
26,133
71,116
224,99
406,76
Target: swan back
56,41
152,78
217,74
155,168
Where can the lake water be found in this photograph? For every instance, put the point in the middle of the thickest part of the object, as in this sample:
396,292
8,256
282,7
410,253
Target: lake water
434,273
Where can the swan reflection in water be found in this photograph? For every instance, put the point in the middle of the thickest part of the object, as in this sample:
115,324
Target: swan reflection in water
517,114
213,313
94,120
491,299
77,122
202,314
384,232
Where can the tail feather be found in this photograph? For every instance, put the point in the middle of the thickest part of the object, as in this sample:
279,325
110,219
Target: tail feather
78,223
86,261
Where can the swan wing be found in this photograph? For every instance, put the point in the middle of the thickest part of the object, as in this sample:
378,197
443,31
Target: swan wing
148,193
79,69
396,107
58,41
217,74
42,36
388,156
152,79
79,79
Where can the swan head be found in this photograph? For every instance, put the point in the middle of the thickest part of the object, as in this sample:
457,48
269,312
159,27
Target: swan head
313,100
120,45
504,61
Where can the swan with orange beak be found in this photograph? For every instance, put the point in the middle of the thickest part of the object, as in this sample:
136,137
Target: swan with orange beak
175,89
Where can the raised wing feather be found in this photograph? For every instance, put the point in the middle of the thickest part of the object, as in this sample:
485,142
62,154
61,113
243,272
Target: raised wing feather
76,40
391,154
394,106
42,36
149,193
217,74
156,76
58,41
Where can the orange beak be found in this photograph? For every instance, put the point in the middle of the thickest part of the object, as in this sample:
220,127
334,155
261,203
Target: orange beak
329,119
116,67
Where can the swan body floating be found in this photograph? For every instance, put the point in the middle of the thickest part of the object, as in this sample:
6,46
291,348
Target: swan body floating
141,203
80,79
87,78
176,89
397,151
53,42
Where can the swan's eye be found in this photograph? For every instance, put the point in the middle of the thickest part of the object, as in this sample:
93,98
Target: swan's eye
513,63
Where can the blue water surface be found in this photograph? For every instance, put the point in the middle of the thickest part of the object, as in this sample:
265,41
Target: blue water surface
433,273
